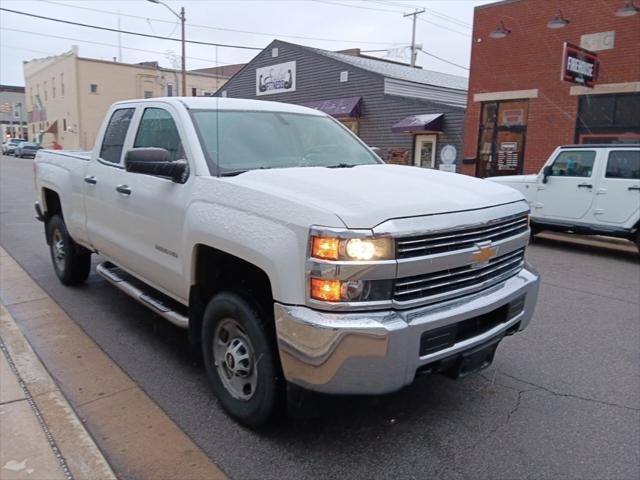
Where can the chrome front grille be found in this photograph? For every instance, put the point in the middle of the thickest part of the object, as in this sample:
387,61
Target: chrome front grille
456,282
451,240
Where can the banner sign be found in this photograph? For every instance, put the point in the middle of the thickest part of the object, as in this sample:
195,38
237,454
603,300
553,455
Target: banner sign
579,66
276,79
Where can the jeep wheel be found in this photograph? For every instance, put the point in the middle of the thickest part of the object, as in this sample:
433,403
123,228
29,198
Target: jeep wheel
71,262
241,359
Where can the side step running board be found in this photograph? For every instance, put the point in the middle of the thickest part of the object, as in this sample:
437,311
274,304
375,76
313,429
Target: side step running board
142,293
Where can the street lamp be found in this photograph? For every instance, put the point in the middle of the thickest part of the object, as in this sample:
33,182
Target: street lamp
558,21
628,10
501,31
182,20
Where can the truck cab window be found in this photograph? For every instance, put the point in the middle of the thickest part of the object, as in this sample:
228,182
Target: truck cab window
573,164
114,136
157,129
624,164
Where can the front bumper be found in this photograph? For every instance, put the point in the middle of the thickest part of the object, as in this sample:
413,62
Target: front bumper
379,351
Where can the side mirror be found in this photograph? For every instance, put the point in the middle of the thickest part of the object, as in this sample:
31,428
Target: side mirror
546,172
156,161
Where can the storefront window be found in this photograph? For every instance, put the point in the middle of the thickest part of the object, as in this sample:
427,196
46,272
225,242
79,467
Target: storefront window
609,118
503,128
351,124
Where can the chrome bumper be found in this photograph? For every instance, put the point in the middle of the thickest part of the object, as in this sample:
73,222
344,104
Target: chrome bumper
379,351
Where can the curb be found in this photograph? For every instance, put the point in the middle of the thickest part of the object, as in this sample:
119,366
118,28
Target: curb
76,452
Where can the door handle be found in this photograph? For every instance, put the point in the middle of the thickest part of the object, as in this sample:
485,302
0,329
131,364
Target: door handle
585,185
635,187
123,189
91,180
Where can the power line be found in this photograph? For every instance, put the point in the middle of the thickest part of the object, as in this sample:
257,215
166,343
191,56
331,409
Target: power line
328,2
444,28
443,60
126,32
209,27
435,13
102,44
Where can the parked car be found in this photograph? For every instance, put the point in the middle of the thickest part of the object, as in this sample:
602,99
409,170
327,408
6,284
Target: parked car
27,149
289,251
588,189
10,147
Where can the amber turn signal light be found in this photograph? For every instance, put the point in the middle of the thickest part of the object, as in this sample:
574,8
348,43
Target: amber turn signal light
325,247
326,290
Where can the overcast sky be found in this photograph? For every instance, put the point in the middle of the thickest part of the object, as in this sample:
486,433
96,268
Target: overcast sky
443,30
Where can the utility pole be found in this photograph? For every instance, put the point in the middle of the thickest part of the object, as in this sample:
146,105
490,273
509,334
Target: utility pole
414,51
182,18
184,67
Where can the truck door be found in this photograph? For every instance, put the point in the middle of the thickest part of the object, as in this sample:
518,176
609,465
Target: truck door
618,198
570,189
151,217
102,177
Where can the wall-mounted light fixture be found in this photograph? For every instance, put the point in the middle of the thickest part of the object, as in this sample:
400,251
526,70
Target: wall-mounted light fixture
558,21
500,32
628,10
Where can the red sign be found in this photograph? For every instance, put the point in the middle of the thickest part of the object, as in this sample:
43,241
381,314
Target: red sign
579,66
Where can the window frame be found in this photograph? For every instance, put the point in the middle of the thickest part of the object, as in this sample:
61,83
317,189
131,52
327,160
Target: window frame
593,165
125,140
606,167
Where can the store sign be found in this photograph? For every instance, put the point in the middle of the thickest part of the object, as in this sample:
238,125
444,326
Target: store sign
579,66
513,117
276,79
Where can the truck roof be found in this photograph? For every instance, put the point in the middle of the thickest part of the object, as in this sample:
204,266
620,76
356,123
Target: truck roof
602,145
218,103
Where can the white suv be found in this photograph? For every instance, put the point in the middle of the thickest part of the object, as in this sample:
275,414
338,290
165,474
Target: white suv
592,189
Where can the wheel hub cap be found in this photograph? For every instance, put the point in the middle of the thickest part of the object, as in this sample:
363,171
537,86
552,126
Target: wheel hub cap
234,359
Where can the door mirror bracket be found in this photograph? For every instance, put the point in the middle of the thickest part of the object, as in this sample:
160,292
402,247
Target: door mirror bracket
157,162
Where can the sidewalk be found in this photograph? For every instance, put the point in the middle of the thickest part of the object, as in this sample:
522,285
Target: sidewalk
41,437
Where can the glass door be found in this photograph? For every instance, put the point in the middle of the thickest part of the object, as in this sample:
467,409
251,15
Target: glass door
503,128
425,151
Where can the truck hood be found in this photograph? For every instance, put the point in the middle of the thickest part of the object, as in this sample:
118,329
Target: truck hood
367,195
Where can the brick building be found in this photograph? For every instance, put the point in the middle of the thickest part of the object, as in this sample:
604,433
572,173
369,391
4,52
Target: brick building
518,107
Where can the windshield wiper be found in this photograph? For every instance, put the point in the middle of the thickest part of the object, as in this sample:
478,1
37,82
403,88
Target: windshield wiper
233,173
340,165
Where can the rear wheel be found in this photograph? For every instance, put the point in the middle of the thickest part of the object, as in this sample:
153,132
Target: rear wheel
71,262
241,360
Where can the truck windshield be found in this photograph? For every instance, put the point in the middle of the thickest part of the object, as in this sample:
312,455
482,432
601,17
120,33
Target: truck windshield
237,141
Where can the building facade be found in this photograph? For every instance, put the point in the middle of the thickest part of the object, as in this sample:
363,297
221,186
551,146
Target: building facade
68,95
413,116
13,116
519,109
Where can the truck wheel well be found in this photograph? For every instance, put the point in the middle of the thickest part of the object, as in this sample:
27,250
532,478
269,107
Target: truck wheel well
52,207
215,271
51,203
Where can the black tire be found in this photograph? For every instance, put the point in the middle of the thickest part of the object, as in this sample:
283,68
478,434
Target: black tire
71,262
265,397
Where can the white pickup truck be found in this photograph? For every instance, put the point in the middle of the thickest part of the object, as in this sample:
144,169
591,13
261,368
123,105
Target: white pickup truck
590,189
291,253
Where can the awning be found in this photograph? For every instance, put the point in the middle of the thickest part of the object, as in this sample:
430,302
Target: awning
431,122
337,107
53,128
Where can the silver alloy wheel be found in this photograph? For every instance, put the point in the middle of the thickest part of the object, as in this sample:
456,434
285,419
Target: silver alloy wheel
234,358
57,246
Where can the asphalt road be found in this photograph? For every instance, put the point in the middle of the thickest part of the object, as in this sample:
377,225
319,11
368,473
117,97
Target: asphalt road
562,399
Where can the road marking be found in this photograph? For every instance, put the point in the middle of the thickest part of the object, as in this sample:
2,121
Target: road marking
137,436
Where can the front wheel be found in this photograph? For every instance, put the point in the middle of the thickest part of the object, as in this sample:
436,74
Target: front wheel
241,359
71,262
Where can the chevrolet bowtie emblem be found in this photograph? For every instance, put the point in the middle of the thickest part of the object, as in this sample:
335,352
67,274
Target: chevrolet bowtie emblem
484,254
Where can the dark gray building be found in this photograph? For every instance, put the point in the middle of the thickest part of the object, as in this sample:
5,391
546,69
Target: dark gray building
414,115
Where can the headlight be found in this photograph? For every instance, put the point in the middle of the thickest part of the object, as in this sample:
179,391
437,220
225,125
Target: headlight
358,249
350,290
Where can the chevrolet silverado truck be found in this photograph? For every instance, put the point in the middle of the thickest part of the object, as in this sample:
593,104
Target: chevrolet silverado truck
588,189
289,251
